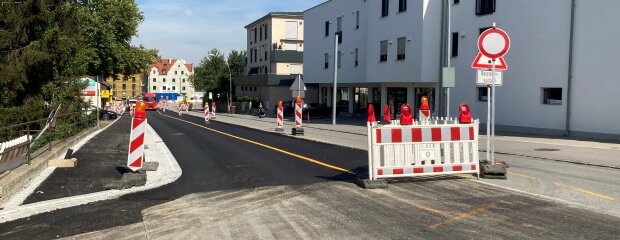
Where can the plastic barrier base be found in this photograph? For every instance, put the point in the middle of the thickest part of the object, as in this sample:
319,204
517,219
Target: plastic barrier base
371,184
298,131
279,130
489,171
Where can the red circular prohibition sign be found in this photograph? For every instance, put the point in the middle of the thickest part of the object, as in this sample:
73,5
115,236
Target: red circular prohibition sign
494,55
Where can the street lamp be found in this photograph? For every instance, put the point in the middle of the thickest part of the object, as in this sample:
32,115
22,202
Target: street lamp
229,83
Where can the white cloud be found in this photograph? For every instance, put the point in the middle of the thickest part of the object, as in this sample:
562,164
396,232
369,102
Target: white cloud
190,28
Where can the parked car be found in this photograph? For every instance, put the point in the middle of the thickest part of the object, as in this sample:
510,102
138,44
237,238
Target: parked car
287,108
107,115
315,110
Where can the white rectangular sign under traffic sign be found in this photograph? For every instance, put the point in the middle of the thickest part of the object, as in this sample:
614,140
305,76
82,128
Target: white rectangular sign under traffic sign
483,77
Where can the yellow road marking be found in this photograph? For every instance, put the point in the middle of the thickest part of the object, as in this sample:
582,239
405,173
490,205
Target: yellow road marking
267,146
466,215
521,175
586,191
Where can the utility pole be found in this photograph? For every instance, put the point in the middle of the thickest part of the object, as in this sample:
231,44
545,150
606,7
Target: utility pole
335,79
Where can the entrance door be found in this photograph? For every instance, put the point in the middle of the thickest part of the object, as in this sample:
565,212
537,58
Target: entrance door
396,98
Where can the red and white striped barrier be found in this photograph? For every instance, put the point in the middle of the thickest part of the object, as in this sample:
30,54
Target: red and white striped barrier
207,114
135,156
280,117
426,148
212,110
298,120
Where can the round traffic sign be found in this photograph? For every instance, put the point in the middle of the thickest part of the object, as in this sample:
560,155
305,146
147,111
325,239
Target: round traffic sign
494,43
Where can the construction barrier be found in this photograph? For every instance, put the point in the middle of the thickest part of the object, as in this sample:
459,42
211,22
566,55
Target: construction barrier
298,119
135,157
11,150
280,117
207,115
427,147
213,107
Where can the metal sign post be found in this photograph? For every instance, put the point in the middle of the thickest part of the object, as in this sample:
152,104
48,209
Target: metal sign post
493,44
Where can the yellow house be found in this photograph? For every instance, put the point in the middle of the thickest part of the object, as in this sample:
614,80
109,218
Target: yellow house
125,87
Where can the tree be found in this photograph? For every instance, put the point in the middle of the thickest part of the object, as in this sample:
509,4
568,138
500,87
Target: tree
211,74
236,61
45,45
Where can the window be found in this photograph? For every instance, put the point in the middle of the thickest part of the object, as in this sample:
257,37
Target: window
174,80
154,88
164,71
402,5
175,73
265,55
183,80
456,2
326,61
174,88
339,59
154,79
383,51
163,88
255,89
266,27
154,71
255,53
255,34
133,93
124,87
182,72
455,44
183,88
481,30
291,30
356,57
164,80
357,20
339,29
482,94
385,5
251,53
484,7
401,48
326,28
133,79
552,96
261,34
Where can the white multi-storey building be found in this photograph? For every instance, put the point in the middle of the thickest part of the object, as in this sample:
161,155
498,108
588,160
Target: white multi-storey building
171,76
392,51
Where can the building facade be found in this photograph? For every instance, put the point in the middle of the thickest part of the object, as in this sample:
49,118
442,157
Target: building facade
387,53
275,45
171,76
559,62
124,87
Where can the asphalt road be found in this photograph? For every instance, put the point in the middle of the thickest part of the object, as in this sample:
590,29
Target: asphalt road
242,183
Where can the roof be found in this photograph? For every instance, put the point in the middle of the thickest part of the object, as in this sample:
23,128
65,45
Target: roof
296,15
167,64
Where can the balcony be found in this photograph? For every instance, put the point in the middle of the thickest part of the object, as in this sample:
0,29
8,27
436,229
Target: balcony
286,56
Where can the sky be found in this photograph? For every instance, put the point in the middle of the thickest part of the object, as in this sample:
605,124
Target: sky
188,29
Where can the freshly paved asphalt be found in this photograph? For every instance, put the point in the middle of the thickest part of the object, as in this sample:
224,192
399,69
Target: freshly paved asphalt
97,161
231,169
210,162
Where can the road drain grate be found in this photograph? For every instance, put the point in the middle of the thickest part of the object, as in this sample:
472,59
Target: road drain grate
547,149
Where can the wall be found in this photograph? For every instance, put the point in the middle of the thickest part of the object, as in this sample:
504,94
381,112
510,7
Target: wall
594,105
538,57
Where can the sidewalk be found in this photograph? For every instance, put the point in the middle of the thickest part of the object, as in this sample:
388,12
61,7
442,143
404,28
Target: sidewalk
350,132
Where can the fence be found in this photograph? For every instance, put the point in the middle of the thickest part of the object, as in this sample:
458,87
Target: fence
18,147
435,147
